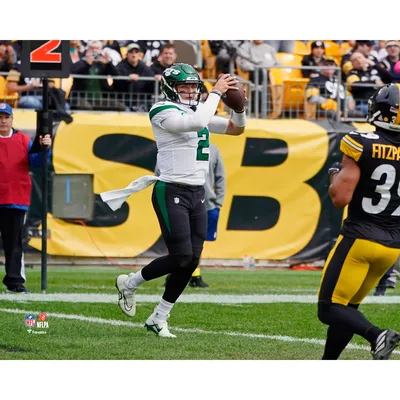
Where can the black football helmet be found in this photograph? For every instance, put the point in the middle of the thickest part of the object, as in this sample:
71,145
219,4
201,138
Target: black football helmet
383,107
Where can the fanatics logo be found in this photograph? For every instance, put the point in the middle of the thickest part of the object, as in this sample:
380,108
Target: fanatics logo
176,200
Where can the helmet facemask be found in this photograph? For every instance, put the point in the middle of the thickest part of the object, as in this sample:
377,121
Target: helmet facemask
188,102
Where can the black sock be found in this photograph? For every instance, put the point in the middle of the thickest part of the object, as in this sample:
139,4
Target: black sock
165,265
158,267
176,284
336,341
178,280
349,318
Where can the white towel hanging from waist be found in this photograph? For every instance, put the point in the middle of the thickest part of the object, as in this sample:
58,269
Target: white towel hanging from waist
115,198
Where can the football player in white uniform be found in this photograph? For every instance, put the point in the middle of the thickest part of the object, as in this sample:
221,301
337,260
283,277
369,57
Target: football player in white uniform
181,127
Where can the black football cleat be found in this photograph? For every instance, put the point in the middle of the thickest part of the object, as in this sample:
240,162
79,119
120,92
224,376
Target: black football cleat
384,345
197,281
18,290
380,291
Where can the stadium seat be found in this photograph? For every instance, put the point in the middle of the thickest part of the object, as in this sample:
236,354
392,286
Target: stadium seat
210,70
11,99
310,110
332,48
344,48
66,85
300,48
287,85
221,108
123,51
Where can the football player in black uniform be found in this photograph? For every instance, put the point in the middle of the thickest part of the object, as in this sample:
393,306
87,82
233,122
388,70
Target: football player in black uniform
368,181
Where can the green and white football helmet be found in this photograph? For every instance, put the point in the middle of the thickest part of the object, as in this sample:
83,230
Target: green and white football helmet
177,74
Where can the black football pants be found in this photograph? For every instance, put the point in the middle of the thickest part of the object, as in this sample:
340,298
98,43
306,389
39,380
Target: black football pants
12,223
182,215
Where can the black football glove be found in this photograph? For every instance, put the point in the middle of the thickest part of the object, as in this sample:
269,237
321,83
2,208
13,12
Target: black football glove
335,168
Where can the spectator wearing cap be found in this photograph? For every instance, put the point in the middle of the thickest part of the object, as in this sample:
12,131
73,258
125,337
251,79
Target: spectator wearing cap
15,194
325,90
313,59
93,94
365,47
393,57
166,58
135,93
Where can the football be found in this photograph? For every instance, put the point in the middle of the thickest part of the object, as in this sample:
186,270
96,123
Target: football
235,99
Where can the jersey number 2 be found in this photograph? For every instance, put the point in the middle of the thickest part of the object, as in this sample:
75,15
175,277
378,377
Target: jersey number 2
383,190
203,144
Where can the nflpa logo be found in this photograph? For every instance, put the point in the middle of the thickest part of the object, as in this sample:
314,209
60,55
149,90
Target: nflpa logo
42,317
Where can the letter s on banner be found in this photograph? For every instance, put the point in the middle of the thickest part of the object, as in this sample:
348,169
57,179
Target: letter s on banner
73,154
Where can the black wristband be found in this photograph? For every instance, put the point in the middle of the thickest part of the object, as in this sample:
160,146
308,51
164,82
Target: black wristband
216,92
335,168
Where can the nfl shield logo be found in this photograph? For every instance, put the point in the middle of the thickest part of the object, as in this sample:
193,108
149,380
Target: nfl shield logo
176,200
30,320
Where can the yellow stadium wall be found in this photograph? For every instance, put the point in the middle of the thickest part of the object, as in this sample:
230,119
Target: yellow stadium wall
305,148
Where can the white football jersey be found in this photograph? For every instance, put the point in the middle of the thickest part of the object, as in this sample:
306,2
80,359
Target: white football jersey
182,157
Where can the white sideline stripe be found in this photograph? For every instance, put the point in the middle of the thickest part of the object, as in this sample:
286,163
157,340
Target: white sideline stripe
185,298
116,322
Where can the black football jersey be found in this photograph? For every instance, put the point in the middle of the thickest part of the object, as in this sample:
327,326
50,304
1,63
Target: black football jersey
374,211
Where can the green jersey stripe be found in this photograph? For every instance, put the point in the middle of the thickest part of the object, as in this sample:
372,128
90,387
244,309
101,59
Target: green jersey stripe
161,108
161,188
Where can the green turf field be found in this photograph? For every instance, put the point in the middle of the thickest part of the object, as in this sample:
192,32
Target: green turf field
244,315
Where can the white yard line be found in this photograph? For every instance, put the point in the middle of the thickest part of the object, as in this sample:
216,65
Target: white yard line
185,298
114,322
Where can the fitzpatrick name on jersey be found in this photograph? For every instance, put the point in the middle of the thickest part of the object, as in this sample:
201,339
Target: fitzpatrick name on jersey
386,151
181,157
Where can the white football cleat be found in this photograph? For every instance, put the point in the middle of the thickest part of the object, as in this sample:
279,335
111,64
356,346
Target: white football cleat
126,301
158,326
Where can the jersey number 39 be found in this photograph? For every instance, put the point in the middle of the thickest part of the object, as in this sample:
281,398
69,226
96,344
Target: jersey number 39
383,190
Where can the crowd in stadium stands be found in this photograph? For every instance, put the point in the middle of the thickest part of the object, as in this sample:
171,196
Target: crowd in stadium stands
358,67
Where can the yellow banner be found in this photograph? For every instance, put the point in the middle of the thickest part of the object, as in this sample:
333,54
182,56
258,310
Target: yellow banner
298,150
